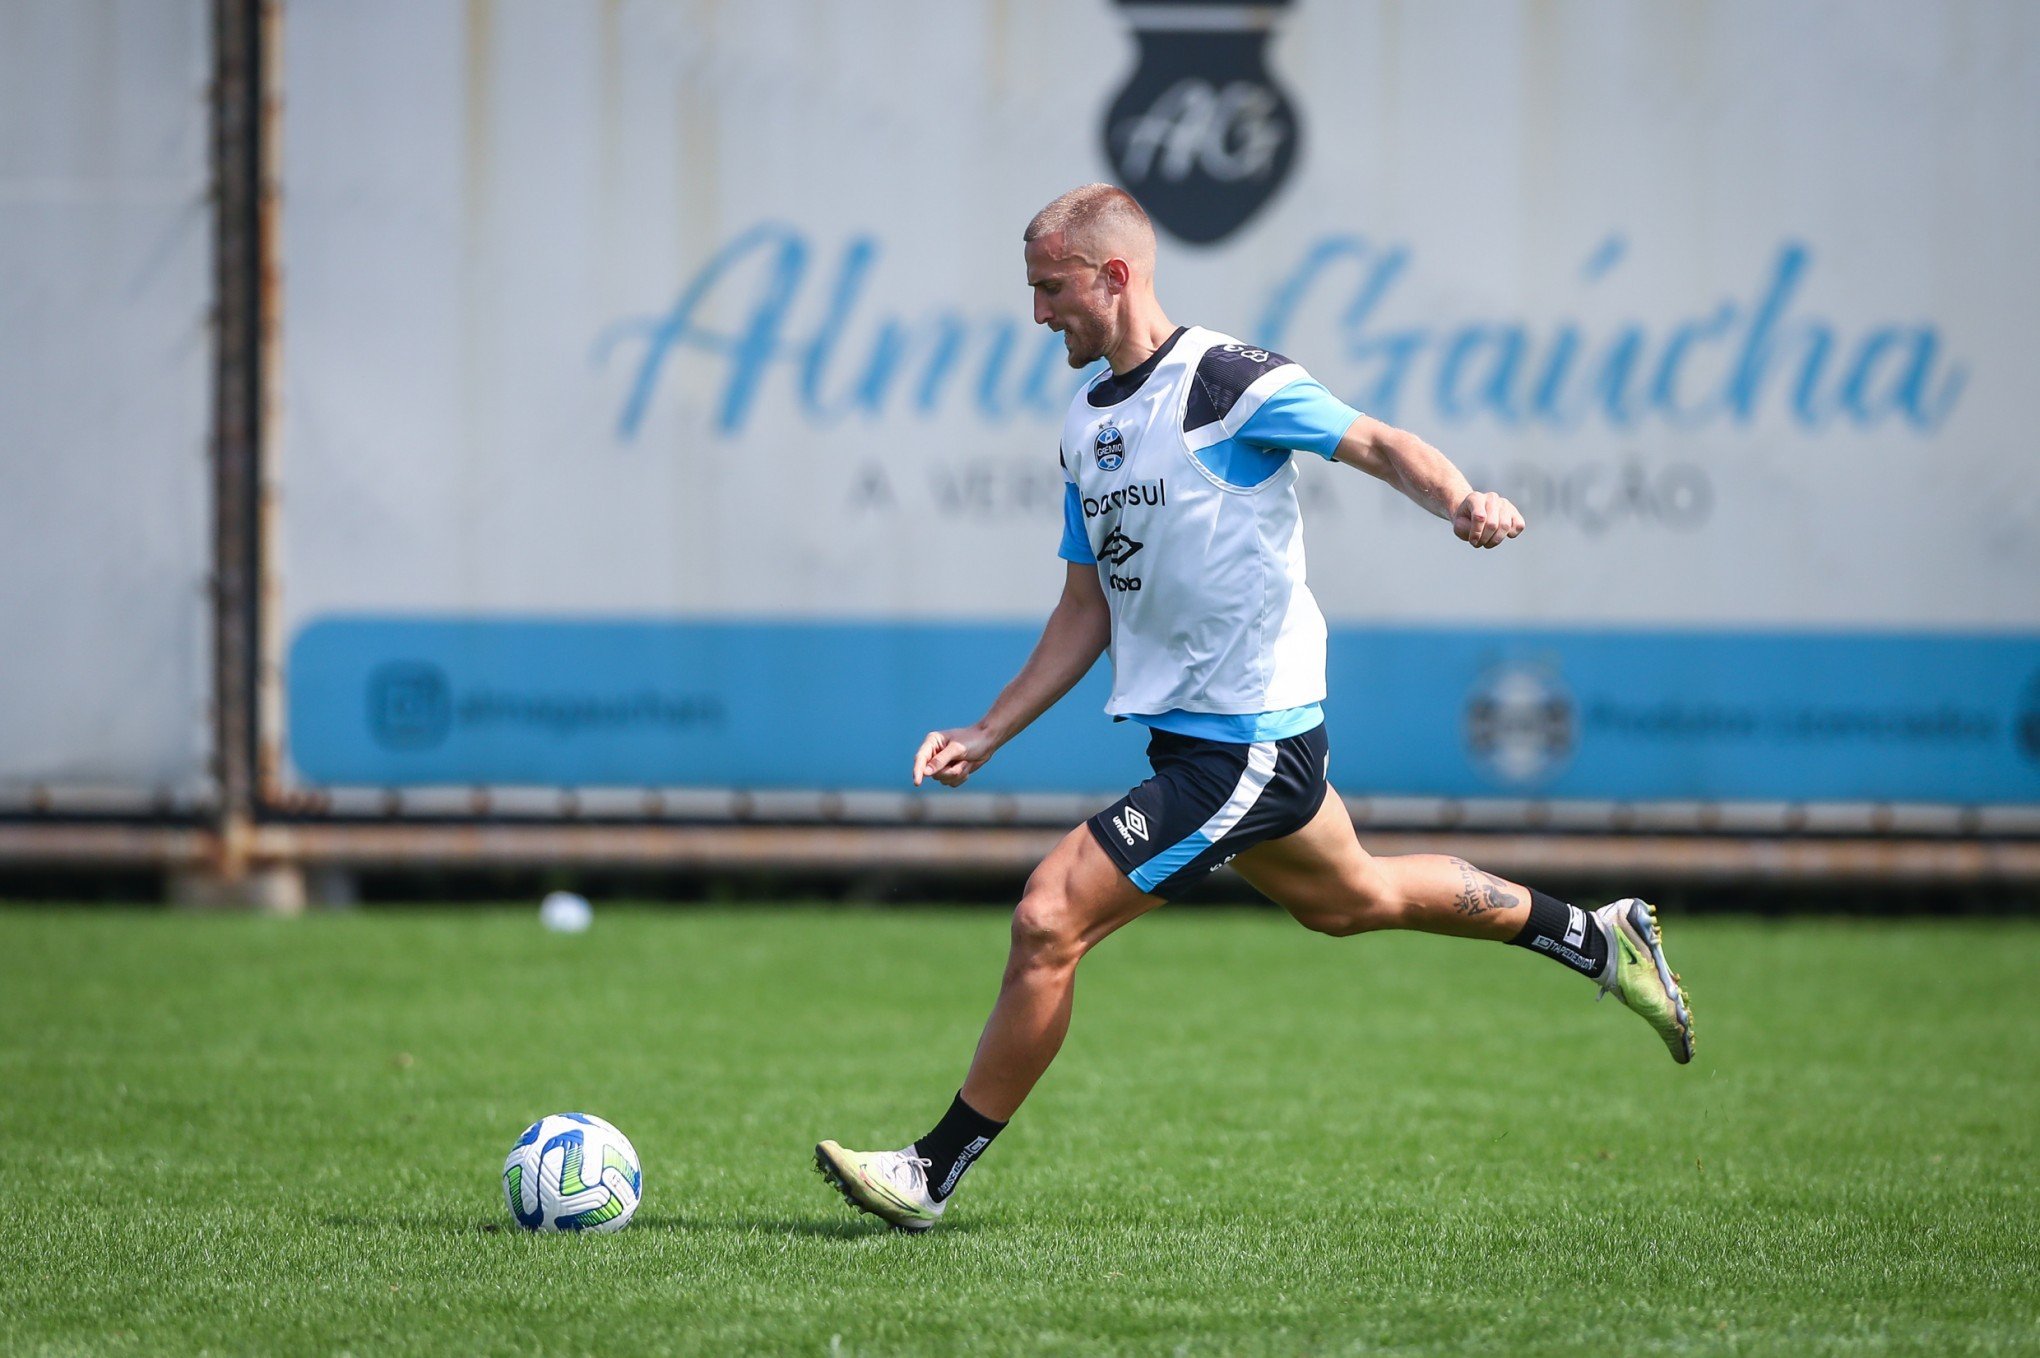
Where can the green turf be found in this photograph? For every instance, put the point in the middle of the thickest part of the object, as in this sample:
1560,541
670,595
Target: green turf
263,1137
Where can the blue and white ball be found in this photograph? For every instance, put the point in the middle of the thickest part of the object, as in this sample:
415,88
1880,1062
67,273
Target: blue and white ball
572,1172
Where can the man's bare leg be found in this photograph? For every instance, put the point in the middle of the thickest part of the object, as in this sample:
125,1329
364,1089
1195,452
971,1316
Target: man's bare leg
1322,876
1073,901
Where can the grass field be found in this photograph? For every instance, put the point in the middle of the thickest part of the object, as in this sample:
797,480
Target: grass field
252,1136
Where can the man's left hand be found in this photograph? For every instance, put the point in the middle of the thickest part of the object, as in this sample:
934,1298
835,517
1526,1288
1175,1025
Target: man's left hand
1485,519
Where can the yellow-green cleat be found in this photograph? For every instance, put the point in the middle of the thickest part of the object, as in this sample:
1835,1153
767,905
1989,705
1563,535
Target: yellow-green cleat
1639,976
892,1185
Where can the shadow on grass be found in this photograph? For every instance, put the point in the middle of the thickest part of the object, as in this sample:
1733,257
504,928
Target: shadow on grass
462,1224
847,1229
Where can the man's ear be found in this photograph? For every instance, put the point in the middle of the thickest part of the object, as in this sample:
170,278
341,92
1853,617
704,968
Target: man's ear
1119,273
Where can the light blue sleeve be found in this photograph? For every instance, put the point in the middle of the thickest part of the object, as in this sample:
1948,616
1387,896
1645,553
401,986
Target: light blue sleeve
1076,544
1303,416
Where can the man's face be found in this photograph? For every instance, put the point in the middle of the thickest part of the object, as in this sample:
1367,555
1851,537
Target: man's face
1072,296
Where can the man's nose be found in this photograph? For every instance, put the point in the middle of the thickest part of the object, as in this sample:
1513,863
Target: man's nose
1041,312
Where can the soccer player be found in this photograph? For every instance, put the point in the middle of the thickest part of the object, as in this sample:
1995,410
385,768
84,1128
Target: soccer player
1185,560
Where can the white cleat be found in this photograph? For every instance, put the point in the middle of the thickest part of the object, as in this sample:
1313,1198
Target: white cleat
1641,978
892,1185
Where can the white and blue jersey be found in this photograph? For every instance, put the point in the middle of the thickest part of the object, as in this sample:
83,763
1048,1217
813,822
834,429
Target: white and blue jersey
1181,490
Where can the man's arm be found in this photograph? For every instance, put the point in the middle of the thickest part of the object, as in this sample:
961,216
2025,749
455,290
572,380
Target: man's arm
1075,636
1427,476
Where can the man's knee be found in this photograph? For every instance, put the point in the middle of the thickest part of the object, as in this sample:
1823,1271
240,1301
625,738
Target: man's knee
1362,902
1048,926
1336,923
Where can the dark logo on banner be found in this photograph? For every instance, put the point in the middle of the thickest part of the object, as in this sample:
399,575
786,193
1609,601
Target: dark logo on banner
1110,450
410,705
2029,721
1520,723
1201,134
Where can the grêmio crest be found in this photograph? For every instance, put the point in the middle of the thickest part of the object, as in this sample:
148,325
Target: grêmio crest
1201,134
1109,448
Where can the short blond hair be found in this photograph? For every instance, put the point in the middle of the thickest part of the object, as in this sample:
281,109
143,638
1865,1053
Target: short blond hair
1099,218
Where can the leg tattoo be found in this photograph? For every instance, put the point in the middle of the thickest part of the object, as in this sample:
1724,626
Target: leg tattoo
1481,892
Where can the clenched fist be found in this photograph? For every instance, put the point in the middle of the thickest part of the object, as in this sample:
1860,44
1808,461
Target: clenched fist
1485,519
949,757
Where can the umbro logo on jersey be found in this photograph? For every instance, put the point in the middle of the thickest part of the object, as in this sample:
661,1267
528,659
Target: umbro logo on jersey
1119,548
1133,824
1110,449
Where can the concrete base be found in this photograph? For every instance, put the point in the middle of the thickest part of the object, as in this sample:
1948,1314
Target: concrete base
271,890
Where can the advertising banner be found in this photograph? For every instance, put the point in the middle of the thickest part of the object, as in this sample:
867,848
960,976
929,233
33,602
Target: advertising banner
663,407
105,379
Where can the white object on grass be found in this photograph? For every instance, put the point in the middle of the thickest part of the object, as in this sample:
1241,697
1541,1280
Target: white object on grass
564,912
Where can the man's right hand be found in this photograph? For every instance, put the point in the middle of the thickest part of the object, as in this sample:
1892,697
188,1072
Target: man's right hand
949,757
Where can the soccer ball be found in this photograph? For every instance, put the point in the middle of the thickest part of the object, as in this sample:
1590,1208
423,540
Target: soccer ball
572,1172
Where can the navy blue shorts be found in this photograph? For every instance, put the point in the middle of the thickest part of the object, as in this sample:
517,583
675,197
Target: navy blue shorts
1210,800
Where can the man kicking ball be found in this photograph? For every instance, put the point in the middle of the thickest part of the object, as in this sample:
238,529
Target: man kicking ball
1185,552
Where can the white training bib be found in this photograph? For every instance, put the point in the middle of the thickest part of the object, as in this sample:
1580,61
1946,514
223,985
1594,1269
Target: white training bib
1195,529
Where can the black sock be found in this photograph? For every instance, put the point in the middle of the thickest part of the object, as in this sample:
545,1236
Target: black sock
958,1139
1565,933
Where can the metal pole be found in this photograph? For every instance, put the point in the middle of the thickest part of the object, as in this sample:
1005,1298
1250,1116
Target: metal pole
240,246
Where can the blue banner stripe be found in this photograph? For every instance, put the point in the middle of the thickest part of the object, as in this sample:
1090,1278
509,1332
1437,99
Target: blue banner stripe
1634,714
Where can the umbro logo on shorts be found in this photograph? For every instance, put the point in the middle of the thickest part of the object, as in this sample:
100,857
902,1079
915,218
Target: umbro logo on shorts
1208,801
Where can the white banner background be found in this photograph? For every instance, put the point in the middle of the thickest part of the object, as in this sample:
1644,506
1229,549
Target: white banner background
105,368
704,311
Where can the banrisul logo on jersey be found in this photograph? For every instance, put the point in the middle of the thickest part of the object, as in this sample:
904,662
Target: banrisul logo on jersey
1202,135
1109,449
